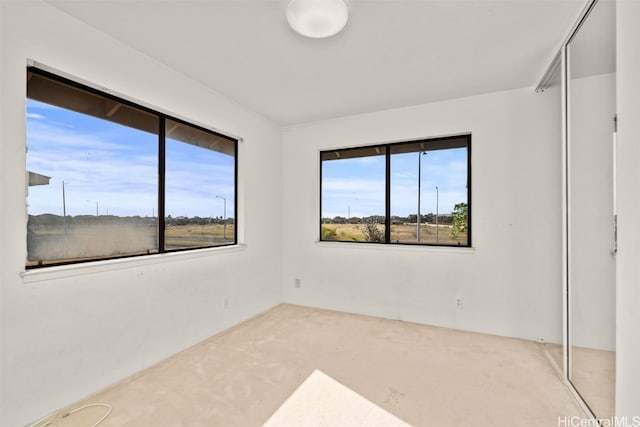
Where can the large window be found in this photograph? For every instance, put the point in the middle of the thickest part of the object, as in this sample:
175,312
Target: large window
416,192
107,178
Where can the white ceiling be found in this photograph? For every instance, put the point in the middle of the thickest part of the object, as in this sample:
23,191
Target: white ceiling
392,53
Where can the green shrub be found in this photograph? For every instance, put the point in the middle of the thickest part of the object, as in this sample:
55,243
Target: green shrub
460,219
372,233
329,233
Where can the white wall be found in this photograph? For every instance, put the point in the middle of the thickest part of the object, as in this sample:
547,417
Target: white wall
628,265
510,281
73,332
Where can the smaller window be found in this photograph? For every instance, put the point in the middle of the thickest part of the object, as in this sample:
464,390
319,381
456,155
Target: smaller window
416,192
199,188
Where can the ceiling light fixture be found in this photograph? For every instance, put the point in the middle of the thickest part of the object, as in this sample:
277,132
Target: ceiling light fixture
317,18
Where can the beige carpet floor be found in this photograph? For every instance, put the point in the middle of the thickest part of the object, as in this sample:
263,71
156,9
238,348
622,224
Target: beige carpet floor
421,375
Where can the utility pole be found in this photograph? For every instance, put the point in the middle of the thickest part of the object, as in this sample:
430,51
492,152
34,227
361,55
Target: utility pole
420,154
437,201
64,202
224,229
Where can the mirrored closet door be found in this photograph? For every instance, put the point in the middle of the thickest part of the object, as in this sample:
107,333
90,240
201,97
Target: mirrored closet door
590,82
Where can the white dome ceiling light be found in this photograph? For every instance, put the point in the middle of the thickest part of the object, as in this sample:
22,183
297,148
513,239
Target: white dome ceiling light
317,18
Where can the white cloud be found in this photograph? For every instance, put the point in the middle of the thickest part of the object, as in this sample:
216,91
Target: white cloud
119,171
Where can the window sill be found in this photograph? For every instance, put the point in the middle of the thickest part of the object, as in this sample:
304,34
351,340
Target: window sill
464,250
93,267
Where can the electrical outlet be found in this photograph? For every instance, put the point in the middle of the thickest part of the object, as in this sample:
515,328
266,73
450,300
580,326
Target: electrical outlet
297,283
459,303
225,302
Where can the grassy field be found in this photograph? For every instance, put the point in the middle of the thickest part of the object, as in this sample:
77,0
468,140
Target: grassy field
54,245
401,233
86,242
185,236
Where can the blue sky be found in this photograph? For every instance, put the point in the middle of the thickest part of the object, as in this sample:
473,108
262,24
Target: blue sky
116,167
359,183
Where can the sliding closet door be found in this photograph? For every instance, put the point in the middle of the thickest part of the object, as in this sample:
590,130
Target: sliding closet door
590,208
